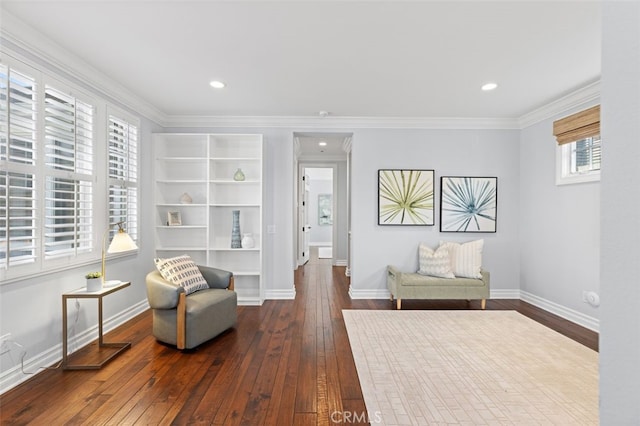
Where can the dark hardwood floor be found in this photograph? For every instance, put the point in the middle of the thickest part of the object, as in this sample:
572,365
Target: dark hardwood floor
285,363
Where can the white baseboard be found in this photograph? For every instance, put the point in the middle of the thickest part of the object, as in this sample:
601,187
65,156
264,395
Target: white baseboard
340,262
505,293
569,314
289,294
369,293
35,364
321,244
549,306
249,301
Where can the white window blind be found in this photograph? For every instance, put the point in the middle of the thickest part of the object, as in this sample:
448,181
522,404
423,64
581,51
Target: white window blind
18,121
49,176
123,174
68,197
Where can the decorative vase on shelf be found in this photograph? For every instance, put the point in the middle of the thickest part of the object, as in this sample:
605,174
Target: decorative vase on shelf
236,239
247,240
186,199
238,176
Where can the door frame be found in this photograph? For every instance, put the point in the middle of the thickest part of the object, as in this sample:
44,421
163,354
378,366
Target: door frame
302,165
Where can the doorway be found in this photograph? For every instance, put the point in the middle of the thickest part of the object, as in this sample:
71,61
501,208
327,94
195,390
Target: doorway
317,211
322,197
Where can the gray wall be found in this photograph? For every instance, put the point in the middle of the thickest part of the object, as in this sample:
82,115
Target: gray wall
620,280
559,226
449,153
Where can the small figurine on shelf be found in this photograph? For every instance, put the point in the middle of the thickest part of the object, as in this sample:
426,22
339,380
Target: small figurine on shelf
247,241
239,175
186,199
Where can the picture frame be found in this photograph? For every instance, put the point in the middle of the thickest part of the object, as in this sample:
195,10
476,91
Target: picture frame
405,197
325,209
468,204
174,219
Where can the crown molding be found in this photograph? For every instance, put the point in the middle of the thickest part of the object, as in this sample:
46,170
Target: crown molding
343,123
586,94
28,42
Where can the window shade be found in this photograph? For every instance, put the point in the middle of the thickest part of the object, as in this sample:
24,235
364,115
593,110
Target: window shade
123,150
123,174
18,120
68,133
68,198
17,219
581,125
69,219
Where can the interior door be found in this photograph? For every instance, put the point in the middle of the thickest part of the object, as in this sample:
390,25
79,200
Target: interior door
303,220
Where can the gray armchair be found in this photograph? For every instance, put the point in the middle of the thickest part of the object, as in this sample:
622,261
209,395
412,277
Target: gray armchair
187,321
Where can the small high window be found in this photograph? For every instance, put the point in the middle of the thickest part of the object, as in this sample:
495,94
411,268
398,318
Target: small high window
579,150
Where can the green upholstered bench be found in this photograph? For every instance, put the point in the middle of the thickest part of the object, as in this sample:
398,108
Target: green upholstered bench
411,285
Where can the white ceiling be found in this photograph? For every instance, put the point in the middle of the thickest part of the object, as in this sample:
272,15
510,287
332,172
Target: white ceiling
350,58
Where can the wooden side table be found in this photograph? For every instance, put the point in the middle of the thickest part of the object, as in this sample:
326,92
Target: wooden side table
82,293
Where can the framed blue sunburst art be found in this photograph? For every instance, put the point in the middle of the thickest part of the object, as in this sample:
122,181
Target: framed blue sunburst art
468,204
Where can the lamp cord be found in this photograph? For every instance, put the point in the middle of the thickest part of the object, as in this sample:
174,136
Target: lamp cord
23,352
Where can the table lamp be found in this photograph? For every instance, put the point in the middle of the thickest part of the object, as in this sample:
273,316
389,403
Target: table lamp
121,242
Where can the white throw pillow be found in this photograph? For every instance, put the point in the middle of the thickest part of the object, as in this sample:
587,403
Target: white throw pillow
434,263
466,259
182,271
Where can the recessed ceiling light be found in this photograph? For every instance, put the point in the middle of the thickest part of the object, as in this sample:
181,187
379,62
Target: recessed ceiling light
323,143
217,84
489,86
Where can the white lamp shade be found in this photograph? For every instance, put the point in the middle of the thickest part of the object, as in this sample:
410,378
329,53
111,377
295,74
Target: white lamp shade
121,242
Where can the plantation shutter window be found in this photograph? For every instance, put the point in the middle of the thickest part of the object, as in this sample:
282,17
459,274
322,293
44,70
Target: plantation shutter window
68,198
578,126
51,133
18,139
123,174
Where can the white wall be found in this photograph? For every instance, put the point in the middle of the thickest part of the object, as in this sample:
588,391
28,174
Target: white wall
559,227
449,153
620,285
340,218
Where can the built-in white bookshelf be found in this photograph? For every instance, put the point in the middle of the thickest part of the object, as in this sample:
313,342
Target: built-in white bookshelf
203,166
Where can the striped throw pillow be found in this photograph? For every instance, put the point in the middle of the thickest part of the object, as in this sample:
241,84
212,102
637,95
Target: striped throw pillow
466,259
182,271
434,263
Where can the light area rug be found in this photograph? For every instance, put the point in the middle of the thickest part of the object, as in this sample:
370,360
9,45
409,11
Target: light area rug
470,368
325,252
